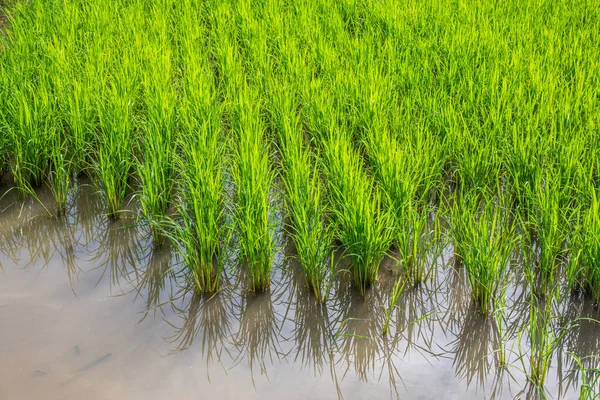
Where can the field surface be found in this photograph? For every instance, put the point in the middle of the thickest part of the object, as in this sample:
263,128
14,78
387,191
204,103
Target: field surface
333,186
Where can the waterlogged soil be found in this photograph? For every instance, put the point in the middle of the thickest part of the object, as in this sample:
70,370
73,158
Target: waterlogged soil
88,309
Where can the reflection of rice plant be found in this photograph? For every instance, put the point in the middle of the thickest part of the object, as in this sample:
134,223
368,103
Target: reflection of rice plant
545,336
206,320
257,337
396,293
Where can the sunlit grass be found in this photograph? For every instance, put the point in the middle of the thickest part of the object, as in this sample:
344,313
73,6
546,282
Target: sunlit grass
253,178
484,238
304,199
370,120
156,163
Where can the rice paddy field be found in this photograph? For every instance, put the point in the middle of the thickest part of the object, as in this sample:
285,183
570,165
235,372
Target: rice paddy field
355,199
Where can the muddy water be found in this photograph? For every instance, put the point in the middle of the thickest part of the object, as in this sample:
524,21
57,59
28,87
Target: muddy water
88,310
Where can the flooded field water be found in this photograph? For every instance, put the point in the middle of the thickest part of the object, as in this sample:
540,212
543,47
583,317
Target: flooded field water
89,310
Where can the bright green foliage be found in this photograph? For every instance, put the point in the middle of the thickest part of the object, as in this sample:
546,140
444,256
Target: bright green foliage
589,260
384,112
116,138
202,235
156,167
372,120
253,178
304,199
362,221
116,106
484,240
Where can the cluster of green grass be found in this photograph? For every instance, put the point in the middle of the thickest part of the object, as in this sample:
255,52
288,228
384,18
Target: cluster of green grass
484,242
253,178
156,165
378,122
304,195
202,234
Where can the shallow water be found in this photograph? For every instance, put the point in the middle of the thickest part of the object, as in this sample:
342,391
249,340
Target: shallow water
89,310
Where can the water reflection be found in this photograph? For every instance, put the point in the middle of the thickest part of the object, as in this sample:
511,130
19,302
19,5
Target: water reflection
64,238
582,343
311,326
473,347
341,340
120,250
29,236
312,334
205,321
156,284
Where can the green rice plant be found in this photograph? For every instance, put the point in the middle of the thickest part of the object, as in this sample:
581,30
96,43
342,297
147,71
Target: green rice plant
396,293
200,229
407,163
3,150
575,271
525,153
311,235
407,178
253,179
419,242
484,238
304,200
4,130
77,99
362,220
155,166
588,262
29,122
73,62
499,315
202,236
60,173
476,162
546,230
545,336
590,380
116,139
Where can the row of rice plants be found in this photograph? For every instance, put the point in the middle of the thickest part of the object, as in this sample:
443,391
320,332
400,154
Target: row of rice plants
361,221
253,178
202,234
408,172
100,88
252,174
27,111
304,198
155,164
